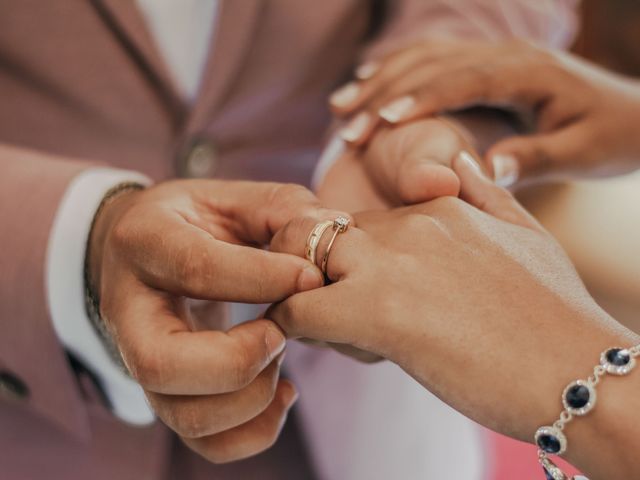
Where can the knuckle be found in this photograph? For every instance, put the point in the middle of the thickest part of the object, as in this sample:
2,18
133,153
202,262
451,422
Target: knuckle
218,455
195,267
290,234
451,205
226,452
284,314
415,223
265,389
121,238
188,422
267,434
288,195
146,366
242,369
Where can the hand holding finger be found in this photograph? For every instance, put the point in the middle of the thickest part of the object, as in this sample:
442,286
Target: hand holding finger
196,416
478,190
252,437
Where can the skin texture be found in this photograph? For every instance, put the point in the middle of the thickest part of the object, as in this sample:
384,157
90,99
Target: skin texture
480,305
584,119
149,251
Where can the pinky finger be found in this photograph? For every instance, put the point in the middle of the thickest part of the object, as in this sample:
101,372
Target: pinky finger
252,437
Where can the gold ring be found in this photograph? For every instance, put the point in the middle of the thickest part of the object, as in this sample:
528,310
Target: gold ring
314,239
340,225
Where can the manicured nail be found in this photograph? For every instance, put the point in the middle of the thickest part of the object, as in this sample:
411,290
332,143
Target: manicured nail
356,127
396,110
275,341
471,162
367,70
505,170
346,95
309,278
280,358
291,397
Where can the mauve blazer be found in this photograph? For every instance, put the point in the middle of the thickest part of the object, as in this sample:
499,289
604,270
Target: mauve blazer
81,84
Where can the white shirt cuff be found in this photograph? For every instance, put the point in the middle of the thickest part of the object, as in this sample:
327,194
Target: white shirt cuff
65,289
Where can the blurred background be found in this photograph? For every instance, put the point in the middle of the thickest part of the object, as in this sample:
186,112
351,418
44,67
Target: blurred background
598,222
610,34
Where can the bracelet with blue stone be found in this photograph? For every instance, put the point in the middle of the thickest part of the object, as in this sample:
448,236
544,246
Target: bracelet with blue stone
579,398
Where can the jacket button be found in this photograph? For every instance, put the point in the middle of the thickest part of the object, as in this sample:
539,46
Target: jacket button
199,159
12,386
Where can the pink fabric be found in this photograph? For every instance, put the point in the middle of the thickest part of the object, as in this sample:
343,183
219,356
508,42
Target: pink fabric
511,459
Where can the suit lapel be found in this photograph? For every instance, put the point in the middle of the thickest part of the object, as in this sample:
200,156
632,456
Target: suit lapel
231,41
128,25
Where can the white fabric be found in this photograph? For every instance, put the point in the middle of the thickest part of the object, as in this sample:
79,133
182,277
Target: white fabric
182,31
65,289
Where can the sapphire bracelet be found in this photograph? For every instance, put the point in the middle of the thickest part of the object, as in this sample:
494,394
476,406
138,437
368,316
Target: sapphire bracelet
578,399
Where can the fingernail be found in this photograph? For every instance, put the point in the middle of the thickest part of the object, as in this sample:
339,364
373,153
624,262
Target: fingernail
471,162
396,110
280,358
505,170
275,341
309,278
356,127
367,70
292,396
346,95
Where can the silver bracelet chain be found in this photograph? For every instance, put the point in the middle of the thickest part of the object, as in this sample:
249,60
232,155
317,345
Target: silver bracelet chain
578,399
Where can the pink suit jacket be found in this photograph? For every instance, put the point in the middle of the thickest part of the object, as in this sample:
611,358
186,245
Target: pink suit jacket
81,84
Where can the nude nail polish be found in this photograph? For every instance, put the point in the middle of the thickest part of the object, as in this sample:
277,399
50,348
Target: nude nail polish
505,170
346,95
467,158
398,109
356,127
367,70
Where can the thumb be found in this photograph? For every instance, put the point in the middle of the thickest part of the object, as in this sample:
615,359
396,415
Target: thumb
411,164
478,190
533,156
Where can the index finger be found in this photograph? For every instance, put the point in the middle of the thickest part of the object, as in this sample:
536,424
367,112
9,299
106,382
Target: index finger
472,83
165,356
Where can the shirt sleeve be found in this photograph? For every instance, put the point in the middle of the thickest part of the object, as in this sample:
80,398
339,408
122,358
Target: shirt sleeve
65,289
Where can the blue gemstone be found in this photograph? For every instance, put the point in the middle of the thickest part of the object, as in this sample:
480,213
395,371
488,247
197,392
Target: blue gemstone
549,443
618,357
577,396
547,474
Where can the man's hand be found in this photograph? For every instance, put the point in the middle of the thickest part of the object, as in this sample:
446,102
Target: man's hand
152,249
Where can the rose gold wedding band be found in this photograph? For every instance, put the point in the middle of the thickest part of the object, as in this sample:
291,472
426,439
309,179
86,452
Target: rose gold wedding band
340,225
314,239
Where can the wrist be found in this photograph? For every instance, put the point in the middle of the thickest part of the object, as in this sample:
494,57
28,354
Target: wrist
114,205
601,441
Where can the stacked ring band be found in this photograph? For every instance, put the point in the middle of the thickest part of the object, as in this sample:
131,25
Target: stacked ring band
314,239
340,225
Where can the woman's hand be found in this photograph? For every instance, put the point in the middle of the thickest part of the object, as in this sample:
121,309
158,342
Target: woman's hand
586,119
474,300
400,166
